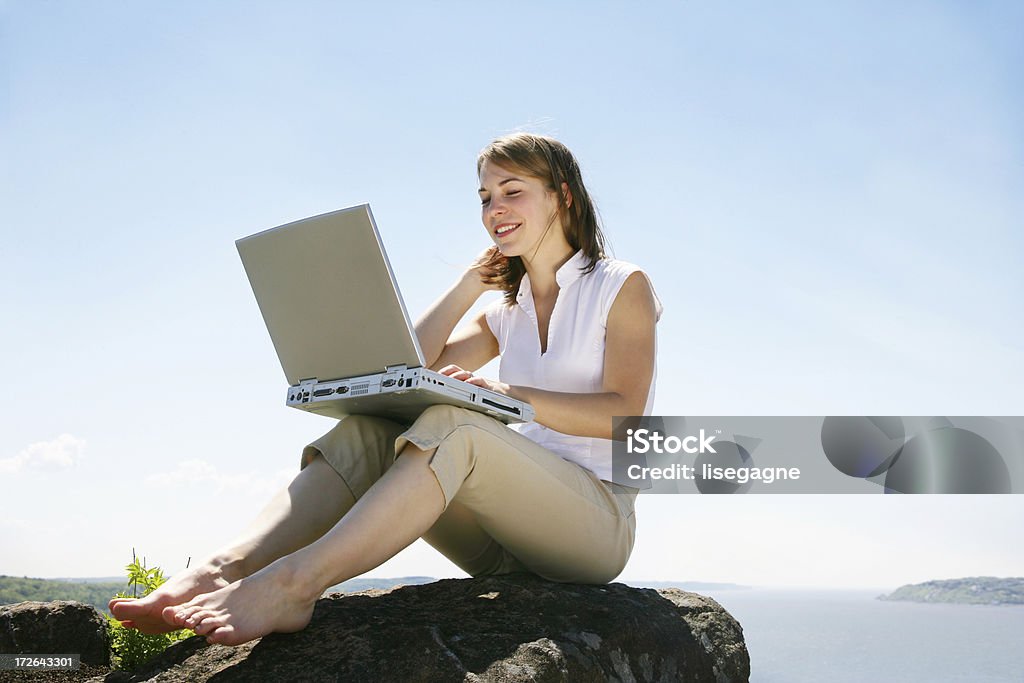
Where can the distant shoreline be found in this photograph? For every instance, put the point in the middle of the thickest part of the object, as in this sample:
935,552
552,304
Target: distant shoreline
972,590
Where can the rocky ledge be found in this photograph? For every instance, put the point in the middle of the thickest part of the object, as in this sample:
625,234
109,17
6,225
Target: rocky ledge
59,627
502,628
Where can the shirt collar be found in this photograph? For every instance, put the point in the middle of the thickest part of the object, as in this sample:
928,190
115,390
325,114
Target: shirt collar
565,276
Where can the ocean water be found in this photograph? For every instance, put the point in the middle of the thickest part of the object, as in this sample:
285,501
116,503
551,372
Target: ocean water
850,637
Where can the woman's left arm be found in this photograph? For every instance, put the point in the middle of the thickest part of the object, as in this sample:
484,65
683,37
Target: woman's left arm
628,371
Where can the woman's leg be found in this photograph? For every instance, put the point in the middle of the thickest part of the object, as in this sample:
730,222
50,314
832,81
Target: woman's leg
521,507
459,536
295,517
360,449
399,508
552,515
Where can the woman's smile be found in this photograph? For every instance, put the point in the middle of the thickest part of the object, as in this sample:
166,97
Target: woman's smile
505,229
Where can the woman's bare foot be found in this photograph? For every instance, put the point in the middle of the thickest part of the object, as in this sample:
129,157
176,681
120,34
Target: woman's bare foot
144,614
273,600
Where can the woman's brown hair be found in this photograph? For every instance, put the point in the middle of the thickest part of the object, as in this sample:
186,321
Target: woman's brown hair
551,162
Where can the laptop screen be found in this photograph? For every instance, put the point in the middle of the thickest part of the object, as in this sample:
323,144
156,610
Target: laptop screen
329,297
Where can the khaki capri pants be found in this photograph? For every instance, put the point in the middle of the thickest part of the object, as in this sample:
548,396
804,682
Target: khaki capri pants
510,505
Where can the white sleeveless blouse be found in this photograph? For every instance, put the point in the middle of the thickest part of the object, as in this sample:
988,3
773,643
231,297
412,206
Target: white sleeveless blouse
574,360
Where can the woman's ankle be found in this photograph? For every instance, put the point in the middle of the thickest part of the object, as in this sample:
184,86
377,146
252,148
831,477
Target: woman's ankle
229,566
296,578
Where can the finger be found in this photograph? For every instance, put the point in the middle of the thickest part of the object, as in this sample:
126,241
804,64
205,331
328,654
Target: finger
477,381
450,369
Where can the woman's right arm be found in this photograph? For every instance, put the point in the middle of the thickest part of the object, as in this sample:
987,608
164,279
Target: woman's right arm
472,346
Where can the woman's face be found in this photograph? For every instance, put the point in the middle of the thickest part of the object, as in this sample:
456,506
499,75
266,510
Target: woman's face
517,210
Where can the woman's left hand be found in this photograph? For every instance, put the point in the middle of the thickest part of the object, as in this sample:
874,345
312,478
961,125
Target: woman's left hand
455,372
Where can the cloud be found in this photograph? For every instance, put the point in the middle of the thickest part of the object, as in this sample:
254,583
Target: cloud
15,523
200,472
59,454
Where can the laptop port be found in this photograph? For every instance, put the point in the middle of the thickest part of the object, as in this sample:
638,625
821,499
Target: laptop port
323,392
511,409
388,383
342,390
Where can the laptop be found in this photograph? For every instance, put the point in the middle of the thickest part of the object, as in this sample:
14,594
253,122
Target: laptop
340,328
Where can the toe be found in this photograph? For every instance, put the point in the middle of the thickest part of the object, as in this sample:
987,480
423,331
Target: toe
177,615
125,607
223,635
210,624
196,618
170,614
185,614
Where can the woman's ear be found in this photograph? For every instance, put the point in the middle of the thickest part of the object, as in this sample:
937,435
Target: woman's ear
566,195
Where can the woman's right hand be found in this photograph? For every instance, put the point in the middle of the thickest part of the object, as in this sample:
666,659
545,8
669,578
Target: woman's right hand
474,345
486,270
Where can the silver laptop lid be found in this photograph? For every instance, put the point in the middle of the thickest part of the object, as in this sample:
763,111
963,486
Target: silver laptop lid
329,297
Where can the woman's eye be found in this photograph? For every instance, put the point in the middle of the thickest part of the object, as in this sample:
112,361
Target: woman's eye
486,201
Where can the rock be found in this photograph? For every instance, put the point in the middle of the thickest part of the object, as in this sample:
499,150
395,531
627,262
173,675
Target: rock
61,627
514,627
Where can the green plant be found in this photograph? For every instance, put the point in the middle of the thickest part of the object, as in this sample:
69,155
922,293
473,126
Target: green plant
132,648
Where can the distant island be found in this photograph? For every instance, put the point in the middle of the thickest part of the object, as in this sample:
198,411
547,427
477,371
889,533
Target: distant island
973,590
360,584
687,585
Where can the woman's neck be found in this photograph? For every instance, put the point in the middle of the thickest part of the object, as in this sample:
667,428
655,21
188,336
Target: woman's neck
543,267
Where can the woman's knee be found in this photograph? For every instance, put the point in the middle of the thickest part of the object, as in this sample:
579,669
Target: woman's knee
360,425
444,427
359,448
459,428
443,417
359,433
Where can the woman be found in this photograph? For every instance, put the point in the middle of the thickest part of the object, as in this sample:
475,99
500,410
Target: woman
576,335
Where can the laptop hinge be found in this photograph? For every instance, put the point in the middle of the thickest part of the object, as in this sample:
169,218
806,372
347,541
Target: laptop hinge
308,380
401,367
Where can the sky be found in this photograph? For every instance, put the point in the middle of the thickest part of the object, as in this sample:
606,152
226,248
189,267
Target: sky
825,196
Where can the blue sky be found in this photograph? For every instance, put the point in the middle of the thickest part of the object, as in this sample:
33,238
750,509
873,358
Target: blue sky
826,197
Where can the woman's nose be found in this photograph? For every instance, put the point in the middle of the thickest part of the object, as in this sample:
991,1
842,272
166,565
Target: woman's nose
497,207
